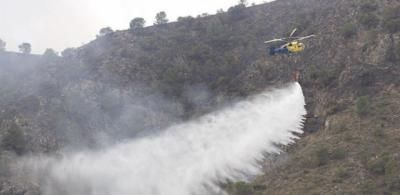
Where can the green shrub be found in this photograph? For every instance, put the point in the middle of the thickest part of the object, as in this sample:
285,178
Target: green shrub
186,20
242,188
363,106
338,154
368,6
391,19
393,183
325,76
368,20
320,156
259,187
14,140
392,176
367,188
237,12
391,12
339,127
388,166
376,166
341,174
392,26
335,107
349,30
379,133
398,51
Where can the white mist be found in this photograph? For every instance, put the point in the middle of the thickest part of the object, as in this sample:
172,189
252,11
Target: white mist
185,159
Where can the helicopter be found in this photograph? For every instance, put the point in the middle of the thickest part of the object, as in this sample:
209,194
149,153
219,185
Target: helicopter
291,44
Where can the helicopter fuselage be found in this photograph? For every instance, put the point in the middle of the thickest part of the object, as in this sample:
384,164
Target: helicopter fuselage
292,47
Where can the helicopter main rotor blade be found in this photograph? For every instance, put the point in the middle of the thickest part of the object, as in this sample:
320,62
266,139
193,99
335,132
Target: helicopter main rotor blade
275,40
289,39
306,37
292,33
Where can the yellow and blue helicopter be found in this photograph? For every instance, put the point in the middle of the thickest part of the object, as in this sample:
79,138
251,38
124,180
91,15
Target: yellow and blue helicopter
291,44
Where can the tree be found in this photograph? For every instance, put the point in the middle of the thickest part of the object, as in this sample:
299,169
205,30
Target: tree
25,48
204,15
2,45
50,53
68,53
237,12
187,19
105,31
161,18
137,24
243,2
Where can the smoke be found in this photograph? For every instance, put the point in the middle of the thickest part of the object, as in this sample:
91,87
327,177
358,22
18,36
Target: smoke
65,107
188,158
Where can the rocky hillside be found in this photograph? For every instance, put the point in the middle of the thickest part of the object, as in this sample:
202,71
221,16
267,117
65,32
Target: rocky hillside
349,73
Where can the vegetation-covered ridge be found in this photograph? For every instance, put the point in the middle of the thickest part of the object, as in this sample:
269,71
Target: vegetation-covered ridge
349,73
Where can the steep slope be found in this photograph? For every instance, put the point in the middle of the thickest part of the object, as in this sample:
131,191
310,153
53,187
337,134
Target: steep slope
225,52
187,158
350,76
